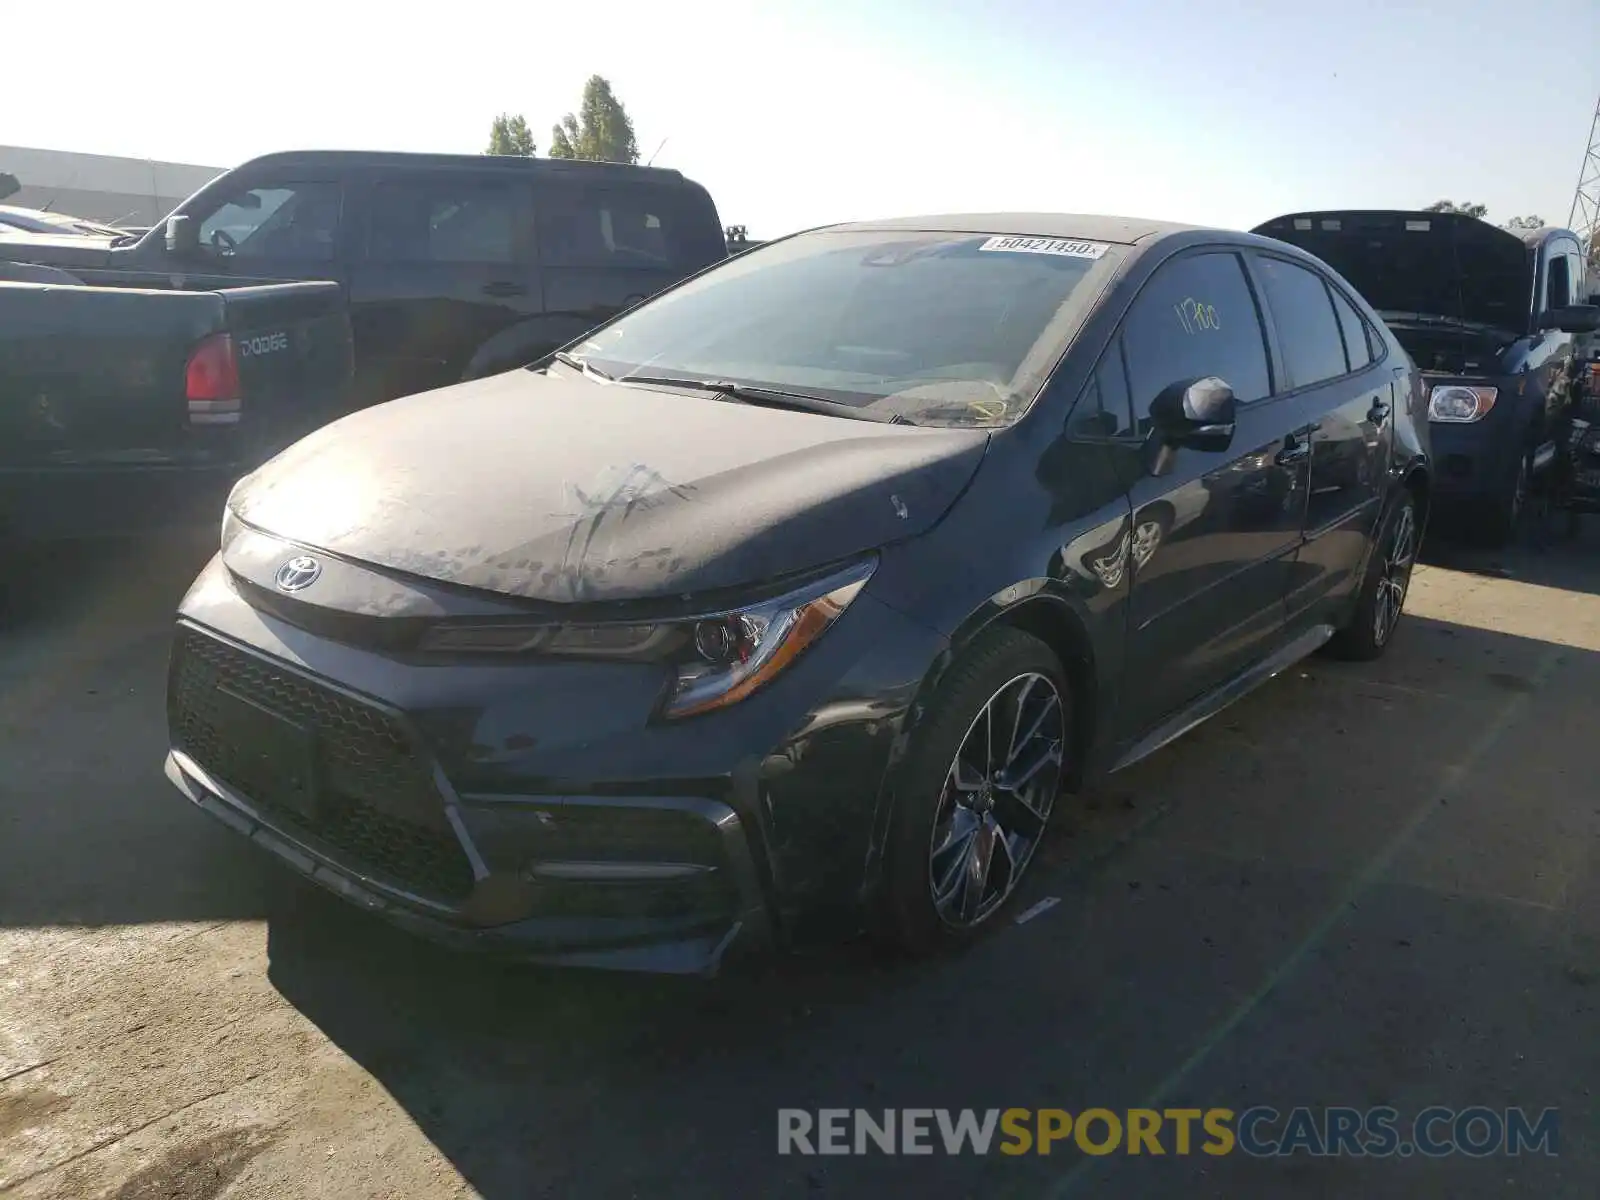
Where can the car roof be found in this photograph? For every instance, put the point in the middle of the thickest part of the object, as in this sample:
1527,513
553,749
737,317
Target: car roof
1127,231
409,160
1534,238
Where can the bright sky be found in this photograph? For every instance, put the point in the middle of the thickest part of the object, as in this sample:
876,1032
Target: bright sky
800,112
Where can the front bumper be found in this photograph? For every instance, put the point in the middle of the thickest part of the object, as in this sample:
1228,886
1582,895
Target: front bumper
532,809
1475,463
1474,466
664,945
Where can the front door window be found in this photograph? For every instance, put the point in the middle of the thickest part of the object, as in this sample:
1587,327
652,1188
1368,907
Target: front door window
297,221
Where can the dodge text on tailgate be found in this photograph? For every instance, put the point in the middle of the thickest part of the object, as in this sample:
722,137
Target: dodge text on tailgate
123,411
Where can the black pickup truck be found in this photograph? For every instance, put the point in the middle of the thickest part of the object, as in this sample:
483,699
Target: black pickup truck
453,266
126,411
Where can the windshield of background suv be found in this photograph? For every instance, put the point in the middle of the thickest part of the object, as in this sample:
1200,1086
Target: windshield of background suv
939,328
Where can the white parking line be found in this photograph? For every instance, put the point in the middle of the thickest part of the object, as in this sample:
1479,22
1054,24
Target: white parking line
1043,906
1363,879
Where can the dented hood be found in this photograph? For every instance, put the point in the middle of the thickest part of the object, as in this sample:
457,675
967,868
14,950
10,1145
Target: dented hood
564,489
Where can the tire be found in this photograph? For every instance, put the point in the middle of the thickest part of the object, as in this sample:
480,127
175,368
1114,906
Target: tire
1506,506
930,900
1383,588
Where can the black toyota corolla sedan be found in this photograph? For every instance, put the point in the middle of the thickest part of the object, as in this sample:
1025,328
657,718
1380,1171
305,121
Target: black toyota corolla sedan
794,599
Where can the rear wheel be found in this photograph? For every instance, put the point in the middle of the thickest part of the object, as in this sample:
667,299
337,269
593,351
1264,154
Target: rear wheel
978,788
1383,591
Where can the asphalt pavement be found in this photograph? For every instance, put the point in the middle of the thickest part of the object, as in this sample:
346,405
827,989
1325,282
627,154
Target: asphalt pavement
1363,886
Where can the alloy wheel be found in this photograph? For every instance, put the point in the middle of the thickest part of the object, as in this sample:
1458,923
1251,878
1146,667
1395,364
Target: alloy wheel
1395,576
996,799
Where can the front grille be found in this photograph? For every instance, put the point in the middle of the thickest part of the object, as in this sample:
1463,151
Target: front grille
375,801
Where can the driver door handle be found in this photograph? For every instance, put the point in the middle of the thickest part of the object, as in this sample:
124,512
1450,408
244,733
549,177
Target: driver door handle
505,287
1379,412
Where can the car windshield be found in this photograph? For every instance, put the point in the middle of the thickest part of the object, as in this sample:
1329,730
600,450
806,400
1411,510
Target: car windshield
936,328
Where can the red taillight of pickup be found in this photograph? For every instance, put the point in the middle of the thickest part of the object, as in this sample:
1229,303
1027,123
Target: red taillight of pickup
211,382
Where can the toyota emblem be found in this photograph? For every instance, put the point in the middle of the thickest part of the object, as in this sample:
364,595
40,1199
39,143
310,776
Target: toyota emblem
297,574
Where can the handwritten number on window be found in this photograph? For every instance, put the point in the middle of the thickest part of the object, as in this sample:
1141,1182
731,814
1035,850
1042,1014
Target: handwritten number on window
1196,317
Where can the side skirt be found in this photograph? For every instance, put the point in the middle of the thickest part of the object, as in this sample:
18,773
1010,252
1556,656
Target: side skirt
1236,688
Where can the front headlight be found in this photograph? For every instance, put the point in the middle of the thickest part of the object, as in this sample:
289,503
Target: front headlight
1458,404
717,658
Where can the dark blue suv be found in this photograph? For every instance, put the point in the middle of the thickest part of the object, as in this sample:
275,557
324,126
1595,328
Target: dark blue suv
1488,315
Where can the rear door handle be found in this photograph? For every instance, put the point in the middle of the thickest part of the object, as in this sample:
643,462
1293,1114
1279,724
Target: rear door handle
505,287
1296,449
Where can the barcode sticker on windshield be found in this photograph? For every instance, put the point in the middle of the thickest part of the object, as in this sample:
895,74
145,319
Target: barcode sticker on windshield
1037,245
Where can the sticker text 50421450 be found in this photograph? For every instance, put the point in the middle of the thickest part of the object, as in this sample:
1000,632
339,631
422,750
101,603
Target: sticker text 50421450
1070,247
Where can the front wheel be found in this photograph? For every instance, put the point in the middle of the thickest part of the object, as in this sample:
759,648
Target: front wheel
977,789
1383,591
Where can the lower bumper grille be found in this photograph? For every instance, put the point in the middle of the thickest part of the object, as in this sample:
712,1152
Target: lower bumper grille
625,833
316,762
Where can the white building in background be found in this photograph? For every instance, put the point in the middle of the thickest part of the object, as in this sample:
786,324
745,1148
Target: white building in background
100,187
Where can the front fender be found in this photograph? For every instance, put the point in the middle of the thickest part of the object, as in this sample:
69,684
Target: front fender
1079,610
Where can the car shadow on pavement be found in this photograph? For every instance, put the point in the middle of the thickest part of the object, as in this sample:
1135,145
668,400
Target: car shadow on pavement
1234,913
1543,554
91,832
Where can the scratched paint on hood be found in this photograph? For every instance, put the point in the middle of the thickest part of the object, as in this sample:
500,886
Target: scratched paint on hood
564,489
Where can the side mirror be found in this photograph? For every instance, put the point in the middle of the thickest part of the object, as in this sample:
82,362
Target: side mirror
183,236
1198,413
1573,318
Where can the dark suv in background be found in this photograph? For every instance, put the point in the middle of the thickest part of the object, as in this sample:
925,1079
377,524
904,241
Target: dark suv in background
1489,317
455,266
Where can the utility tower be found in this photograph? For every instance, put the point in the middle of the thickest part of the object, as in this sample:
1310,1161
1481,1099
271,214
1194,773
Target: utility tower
1584,219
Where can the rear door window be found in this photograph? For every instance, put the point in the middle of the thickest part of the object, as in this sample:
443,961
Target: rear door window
1357,347
443,220
1196,317
1308,328
610,227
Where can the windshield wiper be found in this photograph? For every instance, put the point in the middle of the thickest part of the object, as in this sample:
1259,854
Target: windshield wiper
581,364
771,397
